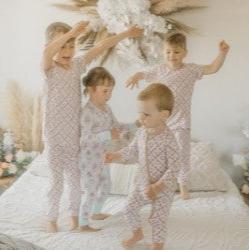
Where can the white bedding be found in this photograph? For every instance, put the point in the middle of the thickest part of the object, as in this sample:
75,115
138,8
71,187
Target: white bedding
209,221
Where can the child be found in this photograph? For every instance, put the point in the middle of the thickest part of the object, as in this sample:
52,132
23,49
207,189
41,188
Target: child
98,127
62,111
156,149
180,78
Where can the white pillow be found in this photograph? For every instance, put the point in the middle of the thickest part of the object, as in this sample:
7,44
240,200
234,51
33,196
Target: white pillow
122,177
205,174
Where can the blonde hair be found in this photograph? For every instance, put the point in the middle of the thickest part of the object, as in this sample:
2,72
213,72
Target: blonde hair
161,94
97,77
55,28
177,39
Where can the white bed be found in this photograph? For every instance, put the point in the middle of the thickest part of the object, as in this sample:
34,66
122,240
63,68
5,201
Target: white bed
209,221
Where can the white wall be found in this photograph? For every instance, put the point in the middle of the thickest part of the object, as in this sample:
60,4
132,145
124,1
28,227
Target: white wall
220,102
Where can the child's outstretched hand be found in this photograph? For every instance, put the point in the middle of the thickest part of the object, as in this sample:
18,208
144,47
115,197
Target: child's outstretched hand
135,31
138,123
115,134
150,192
224,47
154,189
133,80
79,28
111,157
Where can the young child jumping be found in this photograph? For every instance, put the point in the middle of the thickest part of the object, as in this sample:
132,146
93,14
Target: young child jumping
62,111
180,77
156,150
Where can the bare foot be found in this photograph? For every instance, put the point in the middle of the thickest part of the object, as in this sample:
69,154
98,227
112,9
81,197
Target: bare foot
100,216
157,246
74,224
184,192
88,229
136,237
52,227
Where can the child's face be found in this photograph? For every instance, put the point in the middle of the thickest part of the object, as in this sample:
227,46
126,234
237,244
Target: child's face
101,93
174,54
66,53
150,115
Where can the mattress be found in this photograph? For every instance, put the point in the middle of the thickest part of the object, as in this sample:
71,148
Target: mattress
208,221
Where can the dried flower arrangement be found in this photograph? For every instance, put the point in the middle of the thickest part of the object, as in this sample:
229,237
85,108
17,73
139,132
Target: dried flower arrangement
108,17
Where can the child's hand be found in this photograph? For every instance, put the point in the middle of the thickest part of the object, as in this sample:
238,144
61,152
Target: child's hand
134,32
110,157
150,192
158,187
115,134
79,28
224,47
138,123
133,81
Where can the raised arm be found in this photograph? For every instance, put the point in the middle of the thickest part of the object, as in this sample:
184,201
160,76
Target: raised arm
109,42
60,39
127,153
218,62
149,75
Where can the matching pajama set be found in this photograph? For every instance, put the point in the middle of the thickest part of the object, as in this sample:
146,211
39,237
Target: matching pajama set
96,125
61,134
181,83
158,158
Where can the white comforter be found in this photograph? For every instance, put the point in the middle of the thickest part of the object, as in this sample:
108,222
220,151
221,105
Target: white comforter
209,221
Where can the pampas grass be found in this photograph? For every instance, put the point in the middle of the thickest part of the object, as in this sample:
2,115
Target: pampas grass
21,117
106,55
167,7
179,26
89,41
36,132
88,7
13,108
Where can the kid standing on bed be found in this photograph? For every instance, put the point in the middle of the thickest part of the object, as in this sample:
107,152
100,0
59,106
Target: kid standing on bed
98,127
62,111
180,78
157,152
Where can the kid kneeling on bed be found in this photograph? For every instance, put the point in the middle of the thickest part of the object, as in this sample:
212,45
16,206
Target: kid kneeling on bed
157,153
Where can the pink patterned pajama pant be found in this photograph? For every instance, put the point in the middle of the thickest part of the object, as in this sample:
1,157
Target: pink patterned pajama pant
159,214
63,165
183,138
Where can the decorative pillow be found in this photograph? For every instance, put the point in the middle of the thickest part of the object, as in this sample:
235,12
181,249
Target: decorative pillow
206,173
